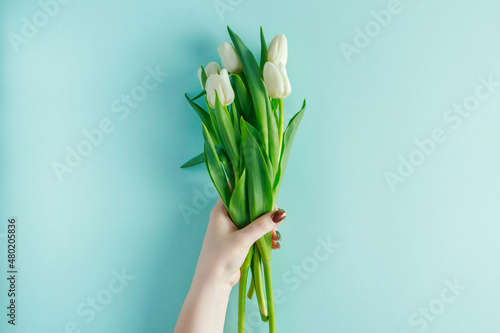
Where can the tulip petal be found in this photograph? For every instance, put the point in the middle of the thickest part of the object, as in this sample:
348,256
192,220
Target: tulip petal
226,88
273,80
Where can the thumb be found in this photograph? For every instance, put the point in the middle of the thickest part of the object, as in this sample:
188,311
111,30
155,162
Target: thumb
261,226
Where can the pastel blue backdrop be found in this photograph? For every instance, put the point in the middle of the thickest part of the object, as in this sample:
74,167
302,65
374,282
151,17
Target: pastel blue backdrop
387,231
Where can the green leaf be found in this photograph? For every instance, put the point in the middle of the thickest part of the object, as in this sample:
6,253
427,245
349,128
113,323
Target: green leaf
198,159
256,135
203,76
263,50
238,205
235,119
228,166
213,120
274,149
288,136
226,132
204,116
203,92
214,168
257,89
242,99
258,180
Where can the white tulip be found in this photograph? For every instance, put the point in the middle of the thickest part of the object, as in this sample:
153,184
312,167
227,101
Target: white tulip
220,83
229,58
278,50
211,68
276,80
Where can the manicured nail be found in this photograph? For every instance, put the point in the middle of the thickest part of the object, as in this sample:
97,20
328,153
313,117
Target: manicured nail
279,245
278,216
279,235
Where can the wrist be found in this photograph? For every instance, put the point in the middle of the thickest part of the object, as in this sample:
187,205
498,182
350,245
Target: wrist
212,283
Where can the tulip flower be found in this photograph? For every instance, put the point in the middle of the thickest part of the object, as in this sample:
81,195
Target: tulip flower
229,58
278,50
211,68
220,83
276,80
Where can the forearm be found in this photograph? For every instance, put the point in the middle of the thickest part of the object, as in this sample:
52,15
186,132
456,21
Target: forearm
204,309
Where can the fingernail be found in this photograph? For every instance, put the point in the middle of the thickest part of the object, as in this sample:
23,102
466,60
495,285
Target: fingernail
279,234
279,245
278,216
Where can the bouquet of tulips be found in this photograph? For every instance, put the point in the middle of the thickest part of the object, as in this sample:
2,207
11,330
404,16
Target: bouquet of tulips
247,147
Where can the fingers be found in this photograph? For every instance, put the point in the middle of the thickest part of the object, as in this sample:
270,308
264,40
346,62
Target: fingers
276,237
264,224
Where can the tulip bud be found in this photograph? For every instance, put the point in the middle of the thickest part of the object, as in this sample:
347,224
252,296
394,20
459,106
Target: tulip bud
278,50
276,80
229,58
211,68
220,83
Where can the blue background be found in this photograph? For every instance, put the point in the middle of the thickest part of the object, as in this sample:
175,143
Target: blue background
396,250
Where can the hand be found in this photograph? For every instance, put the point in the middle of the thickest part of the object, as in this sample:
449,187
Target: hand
218,270
225,246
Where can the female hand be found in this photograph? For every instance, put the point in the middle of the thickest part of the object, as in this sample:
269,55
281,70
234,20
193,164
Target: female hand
223,251
225,247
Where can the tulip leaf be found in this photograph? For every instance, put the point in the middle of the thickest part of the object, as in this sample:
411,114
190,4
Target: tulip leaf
204,116
258,181
213,119
260,142
203,92
274,149
238,205
257,88
214,168
203,76
235,117
275,104
226,132
242,99
198,159
263,50
288,136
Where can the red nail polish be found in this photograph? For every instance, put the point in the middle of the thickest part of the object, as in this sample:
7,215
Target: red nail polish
278,216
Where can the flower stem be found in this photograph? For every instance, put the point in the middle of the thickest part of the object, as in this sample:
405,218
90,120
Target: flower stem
259,286
242,290
280,124
251,290
241,300
269,294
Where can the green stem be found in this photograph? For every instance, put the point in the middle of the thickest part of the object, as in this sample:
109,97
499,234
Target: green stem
280,124
251,290
242,290
269,294
241,300
259,286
